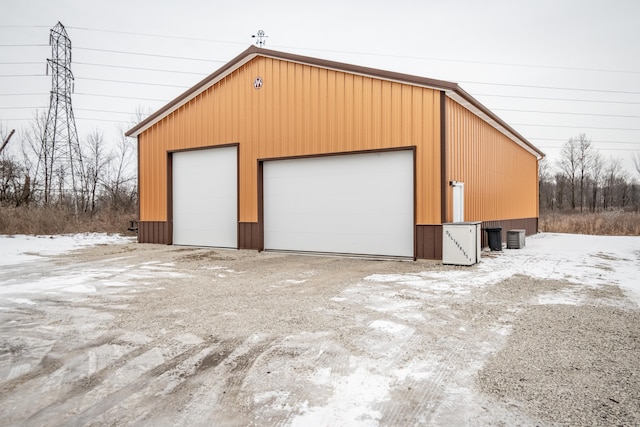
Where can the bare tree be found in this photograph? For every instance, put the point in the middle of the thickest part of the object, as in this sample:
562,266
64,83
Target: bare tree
96,162
636,160
597,166
10,180
120,177
585,160
45,167
612,177
560,189
545,184
569,166
5,140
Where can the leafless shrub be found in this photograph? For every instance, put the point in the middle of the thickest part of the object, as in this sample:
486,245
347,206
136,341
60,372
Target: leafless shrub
61,219
607,223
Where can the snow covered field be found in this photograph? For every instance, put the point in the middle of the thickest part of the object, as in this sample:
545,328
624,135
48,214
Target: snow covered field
98,330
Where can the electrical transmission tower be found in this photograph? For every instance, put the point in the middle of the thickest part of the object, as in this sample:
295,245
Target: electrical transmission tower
60,152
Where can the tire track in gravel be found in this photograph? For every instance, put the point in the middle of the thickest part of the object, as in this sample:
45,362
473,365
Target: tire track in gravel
218,397
421,395
48,373
144,389
81,386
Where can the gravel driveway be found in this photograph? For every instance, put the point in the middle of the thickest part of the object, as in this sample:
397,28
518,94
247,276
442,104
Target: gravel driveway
162,335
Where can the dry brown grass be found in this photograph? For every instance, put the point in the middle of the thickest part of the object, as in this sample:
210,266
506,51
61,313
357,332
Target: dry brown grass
611,223
58,220
40,220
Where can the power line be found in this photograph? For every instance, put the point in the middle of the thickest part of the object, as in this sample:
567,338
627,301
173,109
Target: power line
104,111
557,99
464,61
551,87
581,127
75,109
599,148
21,63
598,141
23,75
89,94
102,120
565,112
22,94
140,68
518,124
538,66
121,97
136,83
147,54
22,108
25,45
155,35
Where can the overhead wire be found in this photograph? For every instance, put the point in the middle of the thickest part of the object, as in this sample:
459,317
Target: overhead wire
598,101
337,51
122,52
140,68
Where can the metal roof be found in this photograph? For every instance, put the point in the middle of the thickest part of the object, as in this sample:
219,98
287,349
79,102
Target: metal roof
452,90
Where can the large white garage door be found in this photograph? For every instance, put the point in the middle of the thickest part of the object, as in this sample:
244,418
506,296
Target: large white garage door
205,197
350,204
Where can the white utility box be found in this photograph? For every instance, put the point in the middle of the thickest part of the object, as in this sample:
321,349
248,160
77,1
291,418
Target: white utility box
461,243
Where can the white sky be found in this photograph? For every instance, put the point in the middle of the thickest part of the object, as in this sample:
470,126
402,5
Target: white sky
552,69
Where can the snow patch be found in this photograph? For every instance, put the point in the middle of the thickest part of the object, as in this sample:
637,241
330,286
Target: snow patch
353,401
391,327
581,259
80,289
21,301
18,249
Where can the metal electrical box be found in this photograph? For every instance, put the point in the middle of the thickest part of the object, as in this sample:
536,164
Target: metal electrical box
461,243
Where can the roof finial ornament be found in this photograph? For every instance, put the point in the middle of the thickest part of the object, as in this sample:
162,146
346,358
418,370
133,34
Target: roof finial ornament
261,36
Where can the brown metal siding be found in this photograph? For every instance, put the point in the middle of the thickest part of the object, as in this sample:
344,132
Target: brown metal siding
300,110
429,241
249,235
155,232
500,177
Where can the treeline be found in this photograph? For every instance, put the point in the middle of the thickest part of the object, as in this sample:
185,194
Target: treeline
99,180
583,180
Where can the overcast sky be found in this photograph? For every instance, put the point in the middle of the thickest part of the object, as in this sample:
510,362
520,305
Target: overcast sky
552,69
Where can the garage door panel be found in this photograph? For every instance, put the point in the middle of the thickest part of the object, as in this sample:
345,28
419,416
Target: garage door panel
205,206
359,204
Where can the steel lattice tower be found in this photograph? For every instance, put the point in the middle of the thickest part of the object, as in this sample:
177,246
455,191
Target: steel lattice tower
60,145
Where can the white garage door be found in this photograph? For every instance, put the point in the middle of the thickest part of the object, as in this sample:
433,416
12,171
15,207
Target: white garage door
205,197
351,204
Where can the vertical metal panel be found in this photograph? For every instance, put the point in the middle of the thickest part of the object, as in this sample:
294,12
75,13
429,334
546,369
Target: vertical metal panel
300,110
500,177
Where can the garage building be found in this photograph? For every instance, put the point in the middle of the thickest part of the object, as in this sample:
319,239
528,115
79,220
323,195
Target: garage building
276,151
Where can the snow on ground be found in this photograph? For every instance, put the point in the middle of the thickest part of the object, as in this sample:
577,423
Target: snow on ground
16,249
352,390
581,259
